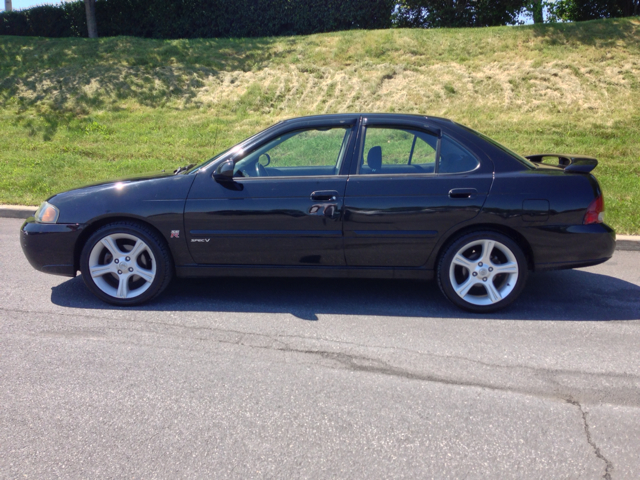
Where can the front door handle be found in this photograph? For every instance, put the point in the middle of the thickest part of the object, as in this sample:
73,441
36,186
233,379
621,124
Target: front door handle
463,192
324,195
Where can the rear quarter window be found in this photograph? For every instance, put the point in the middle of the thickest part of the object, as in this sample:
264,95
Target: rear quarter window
454,158
511,153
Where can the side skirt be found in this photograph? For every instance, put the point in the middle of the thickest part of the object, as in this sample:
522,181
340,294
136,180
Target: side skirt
194,271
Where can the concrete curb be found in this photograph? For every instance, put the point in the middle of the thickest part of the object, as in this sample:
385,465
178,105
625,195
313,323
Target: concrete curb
628,242
16,211
624,242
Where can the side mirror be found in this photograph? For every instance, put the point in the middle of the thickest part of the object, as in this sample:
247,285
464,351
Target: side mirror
224,172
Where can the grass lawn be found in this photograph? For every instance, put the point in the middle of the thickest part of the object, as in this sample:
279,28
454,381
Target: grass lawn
74,111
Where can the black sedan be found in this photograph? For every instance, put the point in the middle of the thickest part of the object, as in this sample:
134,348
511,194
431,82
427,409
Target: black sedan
350,195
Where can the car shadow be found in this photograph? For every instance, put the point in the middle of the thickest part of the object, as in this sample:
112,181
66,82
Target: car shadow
570,295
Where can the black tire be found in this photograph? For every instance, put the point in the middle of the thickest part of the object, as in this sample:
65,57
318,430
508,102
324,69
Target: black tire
505,287
155,256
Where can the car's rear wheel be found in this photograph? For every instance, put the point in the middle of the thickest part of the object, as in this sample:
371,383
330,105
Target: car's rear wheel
126,263
482,271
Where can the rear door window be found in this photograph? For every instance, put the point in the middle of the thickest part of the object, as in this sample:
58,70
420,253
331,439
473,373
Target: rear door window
397,151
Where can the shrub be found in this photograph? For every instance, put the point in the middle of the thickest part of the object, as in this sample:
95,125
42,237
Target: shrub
201,18
65,20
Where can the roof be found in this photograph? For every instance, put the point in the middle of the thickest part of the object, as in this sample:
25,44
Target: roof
347,116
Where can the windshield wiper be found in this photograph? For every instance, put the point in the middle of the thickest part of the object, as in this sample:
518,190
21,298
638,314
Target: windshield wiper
183,169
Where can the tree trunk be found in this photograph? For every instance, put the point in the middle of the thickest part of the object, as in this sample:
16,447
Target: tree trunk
90,8
536,9
625,7
7,6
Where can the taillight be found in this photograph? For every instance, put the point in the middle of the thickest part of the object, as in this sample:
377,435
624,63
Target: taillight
595,212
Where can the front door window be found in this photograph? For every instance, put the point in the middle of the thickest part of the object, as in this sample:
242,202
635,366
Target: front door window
312,152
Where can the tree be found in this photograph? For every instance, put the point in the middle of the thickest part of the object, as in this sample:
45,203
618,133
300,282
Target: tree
458,13
92,27
535,7
7,6
579,10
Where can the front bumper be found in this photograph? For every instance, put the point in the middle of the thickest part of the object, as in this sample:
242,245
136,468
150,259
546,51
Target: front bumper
50,247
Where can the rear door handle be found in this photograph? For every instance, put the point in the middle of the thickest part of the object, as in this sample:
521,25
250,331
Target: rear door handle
324,195
329,211
463,192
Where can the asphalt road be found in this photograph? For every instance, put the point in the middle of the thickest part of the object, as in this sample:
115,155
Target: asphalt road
249,378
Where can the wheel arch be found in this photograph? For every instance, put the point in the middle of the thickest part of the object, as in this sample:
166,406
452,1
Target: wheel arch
96,224
507,231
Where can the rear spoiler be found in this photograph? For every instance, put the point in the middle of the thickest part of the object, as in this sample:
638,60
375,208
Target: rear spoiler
570,163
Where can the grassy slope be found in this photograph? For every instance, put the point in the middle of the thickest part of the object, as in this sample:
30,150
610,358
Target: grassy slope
73,110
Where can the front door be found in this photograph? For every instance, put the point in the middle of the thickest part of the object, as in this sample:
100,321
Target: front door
284,206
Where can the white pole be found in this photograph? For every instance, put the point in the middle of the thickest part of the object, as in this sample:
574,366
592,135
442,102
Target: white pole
7,5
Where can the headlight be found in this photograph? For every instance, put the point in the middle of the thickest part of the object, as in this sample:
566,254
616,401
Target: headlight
47,213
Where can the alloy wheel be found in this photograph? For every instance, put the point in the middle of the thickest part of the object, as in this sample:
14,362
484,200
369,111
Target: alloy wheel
122,265
483,272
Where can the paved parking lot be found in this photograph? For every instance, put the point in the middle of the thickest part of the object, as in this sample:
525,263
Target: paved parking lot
247,378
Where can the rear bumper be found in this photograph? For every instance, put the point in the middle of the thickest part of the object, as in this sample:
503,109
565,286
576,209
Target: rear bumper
574,246
50,247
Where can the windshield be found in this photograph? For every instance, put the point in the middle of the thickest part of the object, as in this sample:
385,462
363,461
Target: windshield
520,158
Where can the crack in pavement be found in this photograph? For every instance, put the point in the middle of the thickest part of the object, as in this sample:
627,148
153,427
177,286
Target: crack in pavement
356,363
370,365
278,339
561,391
596,449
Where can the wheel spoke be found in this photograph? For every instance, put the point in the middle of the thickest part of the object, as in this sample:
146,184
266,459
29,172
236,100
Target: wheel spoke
146,275
510,267
123,287
110,245
137,249
462,261
493,292
487,248
99,270
465,286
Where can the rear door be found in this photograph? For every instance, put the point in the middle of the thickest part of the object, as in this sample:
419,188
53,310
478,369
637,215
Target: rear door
410,184
285,205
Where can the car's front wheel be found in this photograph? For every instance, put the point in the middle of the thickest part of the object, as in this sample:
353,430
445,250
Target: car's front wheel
482,271
126,263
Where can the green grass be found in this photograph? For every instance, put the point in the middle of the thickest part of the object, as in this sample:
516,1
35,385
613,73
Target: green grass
74,111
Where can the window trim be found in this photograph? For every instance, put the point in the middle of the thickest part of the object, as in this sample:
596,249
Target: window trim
292,177
413,146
